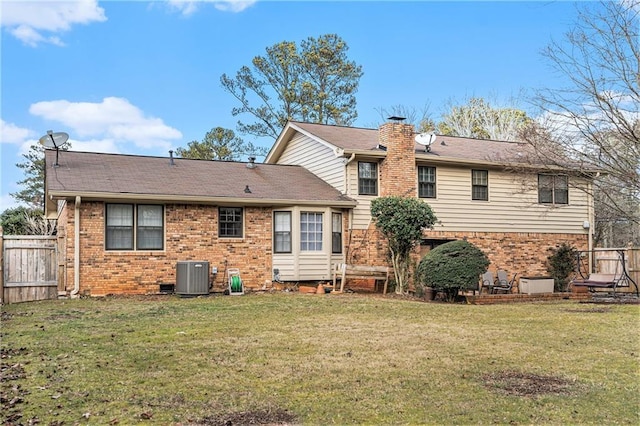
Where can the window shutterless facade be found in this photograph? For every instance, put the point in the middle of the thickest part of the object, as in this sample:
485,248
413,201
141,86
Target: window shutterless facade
480,185
553,189
150,231
134,225
367,178
336,233
230,222
426,182
310,231
282,232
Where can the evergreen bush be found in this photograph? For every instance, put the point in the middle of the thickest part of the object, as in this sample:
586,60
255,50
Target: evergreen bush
560,264
452,267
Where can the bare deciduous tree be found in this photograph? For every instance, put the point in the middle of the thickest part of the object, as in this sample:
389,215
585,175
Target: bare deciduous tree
478,118
421,119
595,121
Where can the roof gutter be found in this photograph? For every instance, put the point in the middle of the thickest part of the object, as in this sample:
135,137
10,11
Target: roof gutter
194,199
434,159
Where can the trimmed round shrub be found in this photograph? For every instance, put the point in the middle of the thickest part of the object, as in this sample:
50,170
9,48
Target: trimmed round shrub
452,267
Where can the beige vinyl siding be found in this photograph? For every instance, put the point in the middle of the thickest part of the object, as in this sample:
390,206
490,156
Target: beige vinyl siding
512,207
316,157
286,263
306,265
313,267
361,215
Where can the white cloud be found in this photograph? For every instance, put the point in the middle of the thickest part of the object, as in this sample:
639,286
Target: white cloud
185,7
35,22
188,7
95,145
25,147
10,133
8,202
115,121
233,5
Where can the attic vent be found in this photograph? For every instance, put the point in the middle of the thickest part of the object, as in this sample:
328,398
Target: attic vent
252,163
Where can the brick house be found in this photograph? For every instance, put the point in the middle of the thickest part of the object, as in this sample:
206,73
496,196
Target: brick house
480,190
125,221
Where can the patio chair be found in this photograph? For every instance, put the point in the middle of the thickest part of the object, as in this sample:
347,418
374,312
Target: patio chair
488,281
503,283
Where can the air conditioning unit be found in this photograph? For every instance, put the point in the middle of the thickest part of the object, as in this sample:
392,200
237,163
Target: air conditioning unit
192,278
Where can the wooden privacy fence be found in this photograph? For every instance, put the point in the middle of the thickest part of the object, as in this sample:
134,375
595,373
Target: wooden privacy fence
607,261
29,268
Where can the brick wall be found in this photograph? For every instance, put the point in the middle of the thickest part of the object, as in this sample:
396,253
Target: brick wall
191,234
522,253
398,170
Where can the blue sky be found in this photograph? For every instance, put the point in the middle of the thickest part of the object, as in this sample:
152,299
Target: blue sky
144,77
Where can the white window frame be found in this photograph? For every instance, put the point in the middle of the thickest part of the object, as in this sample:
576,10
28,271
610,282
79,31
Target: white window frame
483,184
282,232
130,223
311,231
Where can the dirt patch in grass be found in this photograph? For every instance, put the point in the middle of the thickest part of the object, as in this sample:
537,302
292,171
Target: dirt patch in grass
257,417
11,352
12,371
11,395
597,310
64,316
527,384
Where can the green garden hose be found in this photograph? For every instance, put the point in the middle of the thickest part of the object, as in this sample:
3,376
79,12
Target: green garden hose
236,284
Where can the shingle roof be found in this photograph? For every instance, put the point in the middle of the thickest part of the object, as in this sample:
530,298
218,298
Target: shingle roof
348,138
359,139
109,174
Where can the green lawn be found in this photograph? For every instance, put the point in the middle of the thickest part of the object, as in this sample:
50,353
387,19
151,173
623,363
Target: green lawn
318,359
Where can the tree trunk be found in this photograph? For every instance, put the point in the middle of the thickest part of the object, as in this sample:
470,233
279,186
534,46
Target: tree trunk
400,271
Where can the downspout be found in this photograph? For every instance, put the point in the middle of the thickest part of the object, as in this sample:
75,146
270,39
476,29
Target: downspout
76,248
350,217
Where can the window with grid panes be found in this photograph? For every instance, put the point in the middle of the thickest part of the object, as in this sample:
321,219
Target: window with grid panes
480,185
310,231
230,222
426,182
367,178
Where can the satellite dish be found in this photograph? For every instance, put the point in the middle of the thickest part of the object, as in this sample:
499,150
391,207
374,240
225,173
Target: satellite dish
54,141
425,139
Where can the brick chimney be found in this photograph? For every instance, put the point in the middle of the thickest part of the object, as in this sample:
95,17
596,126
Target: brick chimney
398,170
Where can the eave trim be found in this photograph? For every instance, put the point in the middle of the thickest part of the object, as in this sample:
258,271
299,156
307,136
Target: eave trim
189,199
